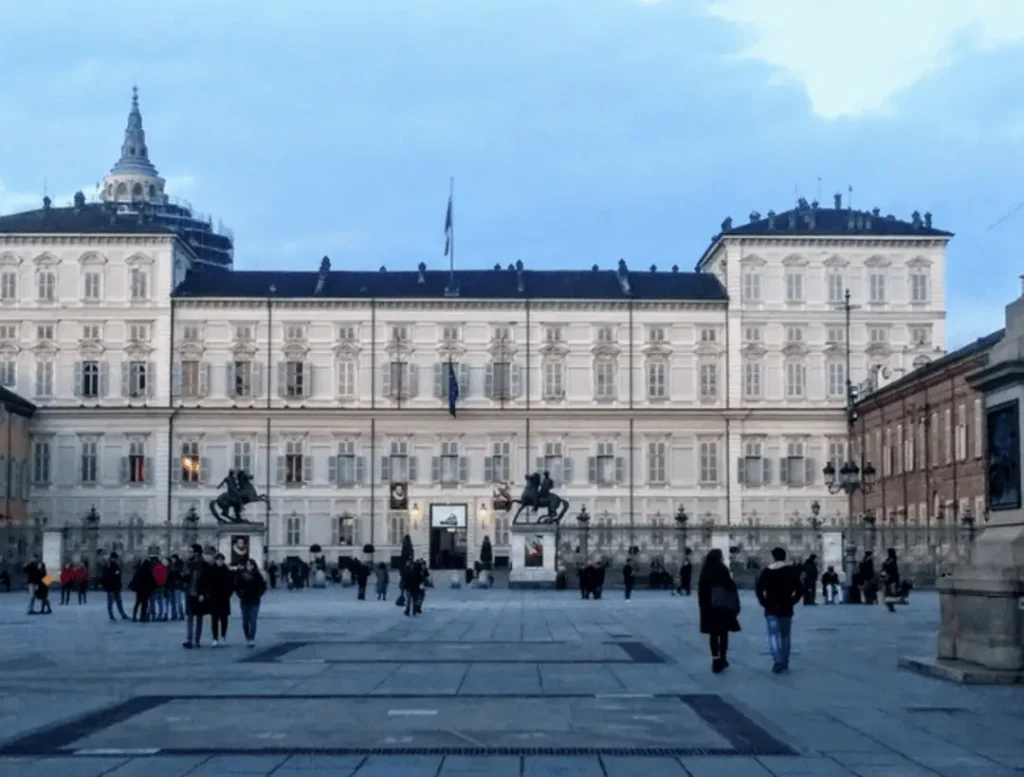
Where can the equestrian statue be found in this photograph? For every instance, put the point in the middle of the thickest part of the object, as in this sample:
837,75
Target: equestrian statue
538,494
240,492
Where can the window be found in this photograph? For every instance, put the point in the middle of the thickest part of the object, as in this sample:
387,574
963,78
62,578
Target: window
396,467
348,470
656,334
605,469
500,465
44,379
241,456
9,332
135,462
933,443
295,333
343,531
836,287
137,379
751,287
876,287
293,531
708,381
294,462
878,335
8,373
450,334
794,334
897,451
499,380
91,286
792,468
346,333
920,449
552,334
752,380
604,379
709,462
8,287
752,468
794,287
296,381
243,333
399,334
605,334
887,461
44,333
752,334
138,333
837,453
947,432
836,374
191,464
503,334
87,380
554,379
554,464
657,471
796,380
501,530
918,287
709,335
657,380
450,463
908,448
40,462
396,380
47,286
978,438
346,378
240,379
138,285
920,336
190,333
91,333
398,527
961,433
89,463
190,379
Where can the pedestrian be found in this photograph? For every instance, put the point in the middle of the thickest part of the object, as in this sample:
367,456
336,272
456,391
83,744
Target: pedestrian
197,581
43,595
35,571
866,576
382,582
250,587
362,573
830,585
222,585
159,598
891,577
778,590
685,573
66,583
177,582
718,601
81,580
113,585
810,579
411,583
272,573
628,578
142,584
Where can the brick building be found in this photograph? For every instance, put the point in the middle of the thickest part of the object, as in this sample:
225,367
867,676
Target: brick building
924,434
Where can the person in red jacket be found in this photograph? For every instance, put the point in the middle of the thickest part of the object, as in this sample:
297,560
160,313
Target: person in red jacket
80,581
66,583
159,600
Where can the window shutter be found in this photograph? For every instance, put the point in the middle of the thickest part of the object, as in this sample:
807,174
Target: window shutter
204,379
150,379
147,469
308,388
229,379
14,479
414,468
463,374
307,468
435,469
332,470
783,470
385,469
126,375
439,391
489,381
517,381
257,379
78,379
540,464
809,472
741,470
205,470
463,469
385,379
620,469
282,378
591,469
567,469
104,379
414,381
26,481
124,469
280,469
176,379
767,475
3,474
360,470
489,469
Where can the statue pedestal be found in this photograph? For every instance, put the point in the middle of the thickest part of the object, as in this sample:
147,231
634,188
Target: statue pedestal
53,552
238,541
534,547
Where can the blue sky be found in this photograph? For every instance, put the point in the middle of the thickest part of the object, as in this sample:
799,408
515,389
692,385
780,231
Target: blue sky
578,131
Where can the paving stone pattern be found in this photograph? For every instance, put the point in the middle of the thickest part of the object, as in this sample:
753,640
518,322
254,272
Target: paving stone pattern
490,683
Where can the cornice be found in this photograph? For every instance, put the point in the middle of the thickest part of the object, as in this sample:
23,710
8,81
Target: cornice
260,303
836,241
87,240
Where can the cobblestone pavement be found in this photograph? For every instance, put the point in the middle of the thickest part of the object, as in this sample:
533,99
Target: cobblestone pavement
490,683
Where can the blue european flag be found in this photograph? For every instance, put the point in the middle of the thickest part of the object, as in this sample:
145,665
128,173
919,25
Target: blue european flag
453,389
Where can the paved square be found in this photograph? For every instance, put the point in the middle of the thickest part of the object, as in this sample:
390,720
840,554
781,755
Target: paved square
490,683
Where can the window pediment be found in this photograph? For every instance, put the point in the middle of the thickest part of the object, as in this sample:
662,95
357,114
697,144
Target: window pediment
9,350
138,350
752,261
190,350
795,349
346,349
836,261
91,349
451,349
46,259
879,349
835,349
708,349
92,258
502,350
554,350
243,349
919,263
877,260
794,260
9,259
139,260
610,350
657,350
295,351
45,350
753,349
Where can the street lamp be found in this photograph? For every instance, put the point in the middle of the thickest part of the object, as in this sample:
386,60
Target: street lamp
583,519
850,480
682,519
815,511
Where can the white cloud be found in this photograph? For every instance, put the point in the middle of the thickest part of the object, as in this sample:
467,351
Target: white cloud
852,57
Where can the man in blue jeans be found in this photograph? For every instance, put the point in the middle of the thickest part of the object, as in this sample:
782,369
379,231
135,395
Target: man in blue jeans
778,590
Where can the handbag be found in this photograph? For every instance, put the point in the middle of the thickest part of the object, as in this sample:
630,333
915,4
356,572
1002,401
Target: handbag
400,601
723,598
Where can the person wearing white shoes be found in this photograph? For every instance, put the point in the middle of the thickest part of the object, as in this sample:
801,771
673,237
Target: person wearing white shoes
222,585
250,587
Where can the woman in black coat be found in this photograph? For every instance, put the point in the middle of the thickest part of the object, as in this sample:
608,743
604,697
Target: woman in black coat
719,604
222,586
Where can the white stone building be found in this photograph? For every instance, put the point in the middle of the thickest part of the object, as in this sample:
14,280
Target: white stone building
720,390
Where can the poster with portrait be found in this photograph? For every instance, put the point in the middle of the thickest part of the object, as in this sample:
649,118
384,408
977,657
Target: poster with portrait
1004,470
399,496
239,549
533,552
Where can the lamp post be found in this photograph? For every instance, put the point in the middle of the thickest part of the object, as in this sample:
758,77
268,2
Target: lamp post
682,519
851,479
583,519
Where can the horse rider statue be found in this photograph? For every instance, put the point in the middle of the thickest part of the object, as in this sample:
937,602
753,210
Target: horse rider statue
538,493
240,492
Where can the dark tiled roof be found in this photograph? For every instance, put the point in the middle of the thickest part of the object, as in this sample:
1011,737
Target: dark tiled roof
16,404
808,221
969,351
472,284
90,219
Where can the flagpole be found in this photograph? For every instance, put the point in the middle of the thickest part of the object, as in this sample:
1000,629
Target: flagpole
451,235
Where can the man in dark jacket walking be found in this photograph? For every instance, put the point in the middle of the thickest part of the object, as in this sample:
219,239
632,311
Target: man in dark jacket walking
197,590
113,585
778,590
685,573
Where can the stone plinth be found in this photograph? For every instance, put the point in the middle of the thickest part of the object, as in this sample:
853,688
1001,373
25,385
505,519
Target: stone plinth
534,547
53,551
233,539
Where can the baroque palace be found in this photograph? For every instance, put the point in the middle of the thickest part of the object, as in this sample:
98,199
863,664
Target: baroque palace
156,368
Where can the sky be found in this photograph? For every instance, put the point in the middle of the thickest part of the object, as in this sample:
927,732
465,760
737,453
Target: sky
577,131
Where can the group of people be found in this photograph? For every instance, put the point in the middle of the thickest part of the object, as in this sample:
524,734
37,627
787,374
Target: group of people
415,579
209,584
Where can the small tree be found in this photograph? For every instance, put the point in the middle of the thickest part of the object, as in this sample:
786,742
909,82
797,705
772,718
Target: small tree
407,554
486,553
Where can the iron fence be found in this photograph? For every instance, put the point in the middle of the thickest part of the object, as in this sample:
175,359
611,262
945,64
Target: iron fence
925,553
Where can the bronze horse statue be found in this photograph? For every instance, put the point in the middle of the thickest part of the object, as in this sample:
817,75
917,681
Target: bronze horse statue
240,492
538,494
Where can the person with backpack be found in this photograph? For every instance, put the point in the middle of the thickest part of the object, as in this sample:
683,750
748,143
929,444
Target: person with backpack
718,601
778,590
250,587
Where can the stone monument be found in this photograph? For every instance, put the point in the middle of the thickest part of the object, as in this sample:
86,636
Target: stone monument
981,638
534,547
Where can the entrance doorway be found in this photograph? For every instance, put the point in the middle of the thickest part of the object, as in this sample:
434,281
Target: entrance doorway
448,546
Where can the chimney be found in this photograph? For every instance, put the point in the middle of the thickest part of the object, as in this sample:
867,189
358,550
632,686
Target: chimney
915,219
421,277
623,275
520,278
928,220
727,224
324,271
838,200
771,221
